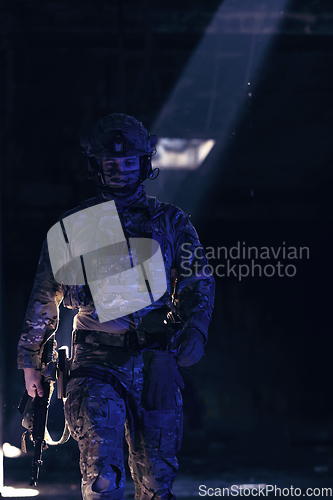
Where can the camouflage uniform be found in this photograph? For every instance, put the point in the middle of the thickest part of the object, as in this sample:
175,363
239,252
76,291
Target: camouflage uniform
97,411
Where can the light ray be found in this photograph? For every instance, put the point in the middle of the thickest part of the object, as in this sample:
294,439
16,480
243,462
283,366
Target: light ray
208,99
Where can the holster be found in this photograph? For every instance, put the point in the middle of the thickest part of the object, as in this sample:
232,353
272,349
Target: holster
62,372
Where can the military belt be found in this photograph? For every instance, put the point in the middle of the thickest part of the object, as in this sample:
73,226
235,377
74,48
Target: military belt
127,340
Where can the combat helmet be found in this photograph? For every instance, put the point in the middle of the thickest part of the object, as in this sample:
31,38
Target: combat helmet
118,136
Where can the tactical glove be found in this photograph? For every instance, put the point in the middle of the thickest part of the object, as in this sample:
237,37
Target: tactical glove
192,348
161,380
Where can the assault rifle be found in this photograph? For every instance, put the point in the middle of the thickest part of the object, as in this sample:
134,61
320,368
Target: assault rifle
35,410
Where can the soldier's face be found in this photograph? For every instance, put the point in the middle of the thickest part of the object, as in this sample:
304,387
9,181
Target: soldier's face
119,172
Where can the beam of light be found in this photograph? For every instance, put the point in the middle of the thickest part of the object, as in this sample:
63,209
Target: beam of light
208,100
10,451
9,492
181,153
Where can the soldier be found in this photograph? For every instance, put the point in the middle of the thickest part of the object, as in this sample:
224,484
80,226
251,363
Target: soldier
124,371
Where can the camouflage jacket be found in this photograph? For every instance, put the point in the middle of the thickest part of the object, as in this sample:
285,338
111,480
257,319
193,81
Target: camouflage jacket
181,250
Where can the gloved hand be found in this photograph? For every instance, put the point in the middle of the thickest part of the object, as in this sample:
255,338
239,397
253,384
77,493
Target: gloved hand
192,348
161,380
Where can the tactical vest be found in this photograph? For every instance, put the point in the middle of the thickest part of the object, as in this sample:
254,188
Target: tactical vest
137,222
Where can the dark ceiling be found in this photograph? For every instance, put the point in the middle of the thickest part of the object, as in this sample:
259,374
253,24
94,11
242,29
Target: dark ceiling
183,70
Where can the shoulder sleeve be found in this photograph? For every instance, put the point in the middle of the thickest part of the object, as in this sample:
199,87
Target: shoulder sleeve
42,317
196,285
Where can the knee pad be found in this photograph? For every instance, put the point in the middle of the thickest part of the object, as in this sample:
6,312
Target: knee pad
108,479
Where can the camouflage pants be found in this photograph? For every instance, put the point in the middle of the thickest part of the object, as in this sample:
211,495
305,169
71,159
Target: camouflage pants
96,414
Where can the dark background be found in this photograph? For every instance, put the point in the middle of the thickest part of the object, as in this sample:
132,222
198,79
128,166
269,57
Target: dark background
262,393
